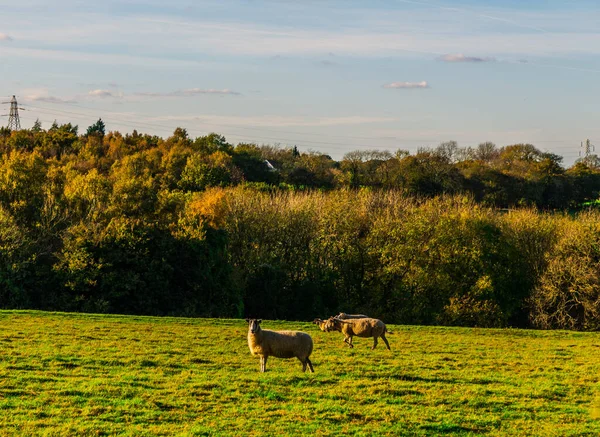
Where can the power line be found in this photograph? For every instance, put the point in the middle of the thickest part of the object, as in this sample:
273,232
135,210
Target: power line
334,145
307,144
566,155
229,132
260,129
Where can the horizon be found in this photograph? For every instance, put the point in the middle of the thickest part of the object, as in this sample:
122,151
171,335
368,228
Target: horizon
332,77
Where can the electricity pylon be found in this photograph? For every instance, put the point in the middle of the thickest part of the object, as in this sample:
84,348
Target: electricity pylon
587,148
13,116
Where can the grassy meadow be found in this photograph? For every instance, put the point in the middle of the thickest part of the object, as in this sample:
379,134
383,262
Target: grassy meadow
78,374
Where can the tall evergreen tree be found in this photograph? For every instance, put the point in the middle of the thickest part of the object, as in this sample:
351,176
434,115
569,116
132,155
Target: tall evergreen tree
37,126
98,128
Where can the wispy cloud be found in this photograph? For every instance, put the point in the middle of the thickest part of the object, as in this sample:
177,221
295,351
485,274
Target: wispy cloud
98,58
459,57
178,42
49,99
42,95
5,37
275,120
422,84
190,92
252,39
101,93
196,91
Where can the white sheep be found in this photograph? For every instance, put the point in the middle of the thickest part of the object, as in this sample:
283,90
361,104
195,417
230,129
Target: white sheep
280,344
345,316
365,327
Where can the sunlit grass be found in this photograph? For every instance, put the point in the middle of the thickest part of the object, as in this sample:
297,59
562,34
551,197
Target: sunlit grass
74,374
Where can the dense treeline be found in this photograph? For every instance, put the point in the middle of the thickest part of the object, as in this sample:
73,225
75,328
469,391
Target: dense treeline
144,225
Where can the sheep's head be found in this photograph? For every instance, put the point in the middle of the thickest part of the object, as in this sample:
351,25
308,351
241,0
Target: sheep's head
341,316
253,325
320,323
330,324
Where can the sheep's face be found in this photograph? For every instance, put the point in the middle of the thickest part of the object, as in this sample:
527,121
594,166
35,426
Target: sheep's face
253,325
329,324
320,323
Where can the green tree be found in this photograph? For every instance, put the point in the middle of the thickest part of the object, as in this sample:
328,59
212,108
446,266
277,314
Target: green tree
214,170
212,143
249,159
37,126
98,128
59,140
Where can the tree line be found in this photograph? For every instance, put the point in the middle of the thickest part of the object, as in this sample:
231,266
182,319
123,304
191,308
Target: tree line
138,224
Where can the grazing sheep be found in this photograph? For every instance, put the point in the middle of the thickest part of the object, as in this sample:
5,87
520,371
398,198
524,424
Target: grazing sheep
345,316
321,324
359,328
280,344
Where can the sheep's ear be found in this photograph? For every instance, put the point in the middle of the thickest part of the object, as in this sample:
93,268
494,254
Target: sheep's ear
259,321
247,320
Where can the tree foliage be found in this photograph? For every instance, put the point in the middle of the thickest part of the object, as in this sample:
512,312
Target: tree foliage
134,223
97,129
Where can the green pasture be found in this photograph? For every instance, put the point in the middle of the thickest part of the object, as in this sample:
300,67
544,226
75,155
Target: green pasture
83,375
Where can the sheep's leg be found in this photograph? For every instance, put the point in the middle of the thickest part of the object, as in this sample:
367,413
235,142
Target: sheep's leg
263,363
349,341
385,341
310,365
303,364
374,342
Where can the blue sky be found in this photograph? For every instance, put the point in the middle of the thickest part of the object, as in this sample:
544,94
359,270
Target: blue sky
332,76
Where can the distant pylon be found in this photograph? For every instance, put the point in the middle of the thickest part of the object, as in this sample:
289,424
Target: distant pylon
587,148
14,123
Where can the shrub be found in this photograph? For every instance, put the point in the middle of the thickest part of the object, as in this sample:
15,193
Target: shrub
568,294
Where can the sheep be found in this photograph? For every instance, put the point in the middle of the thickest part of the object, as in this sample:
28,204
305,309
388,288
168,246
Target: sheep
345,316
365,327
320,323
280,344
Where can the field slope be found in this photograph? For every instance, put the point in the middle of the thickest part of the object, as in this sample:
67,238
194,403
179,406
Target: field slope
75,374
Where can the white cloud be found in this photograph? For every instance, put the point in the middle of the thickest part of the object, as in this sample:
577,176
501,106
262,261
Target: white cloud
5,37
101,93
422,84
42,95
195,91
190,92
459,57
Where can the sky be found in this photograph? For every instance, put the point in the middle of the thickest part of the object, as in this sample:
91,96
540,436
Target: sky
324,75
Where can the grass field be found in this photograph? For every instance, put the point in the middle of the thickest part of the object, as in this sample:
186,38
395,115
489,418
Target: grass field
75,374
